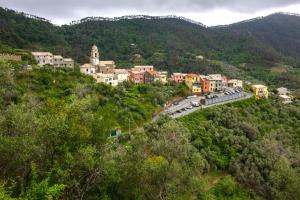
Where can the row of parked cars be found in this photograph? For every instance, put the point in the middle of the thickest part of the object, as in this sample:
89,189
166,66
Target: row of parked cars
193,105
233,92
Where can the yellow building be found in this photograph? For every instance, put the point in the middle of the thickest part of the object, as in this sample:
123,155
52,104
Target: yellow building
190,79
260,91
193,82
196,89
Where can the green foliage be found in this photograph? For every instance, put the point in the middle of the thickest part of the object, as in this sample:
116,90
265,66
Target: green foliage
257,141
169,44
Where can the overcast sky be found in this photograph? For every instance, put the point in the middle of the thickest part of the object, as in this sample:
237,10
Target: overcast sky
209,12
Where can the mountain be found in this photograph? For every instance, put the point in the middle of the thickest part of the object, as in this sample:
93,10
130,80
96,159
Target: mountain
280,31
171,43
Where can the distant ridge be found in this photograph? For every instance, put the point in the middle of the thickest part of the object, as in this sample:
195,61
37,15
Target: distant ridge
128,17
28,15
254,19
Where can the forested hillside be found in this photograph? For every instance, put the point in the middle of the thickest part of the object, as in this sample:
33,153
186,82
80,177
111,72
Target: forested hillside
280,31
55,127
169,43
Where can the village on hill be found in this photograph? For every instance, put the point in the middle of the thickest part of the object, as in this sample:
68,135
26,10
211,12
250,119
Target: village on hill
211,88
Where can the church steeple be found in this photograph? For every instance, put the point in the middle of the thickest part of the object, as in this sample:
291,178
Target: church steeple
94,59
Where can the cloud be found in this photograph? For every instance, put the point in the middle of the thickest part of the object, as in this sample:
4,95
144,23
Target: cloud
67,10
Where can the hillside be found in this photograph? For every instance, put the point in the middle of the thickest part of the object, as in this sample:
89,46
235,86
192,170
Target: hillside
159,40
54,141
280,31
169,43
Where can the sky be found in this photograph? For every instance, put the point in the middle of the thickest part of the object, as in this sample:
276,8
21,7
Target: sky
208,12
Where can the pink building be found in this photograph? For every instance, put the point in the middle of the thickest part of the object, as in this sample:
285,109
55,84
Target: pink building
136,76
178,77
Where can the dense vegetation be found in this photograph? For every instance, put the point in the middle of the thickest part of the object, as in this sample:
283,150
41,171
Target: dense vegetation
55,127
55,124
170,44
256,141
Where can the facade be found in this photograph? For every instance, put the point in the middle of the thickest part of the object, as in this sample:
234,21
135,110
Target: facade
68,62
87,69
122,75
150,76
178,77
235,83
97,66
196,88
136,77
163,76
205,83
216,82
260,91
143,68
59,61
109,79
193,82
47,58
191,79
43,58
282,91
285,99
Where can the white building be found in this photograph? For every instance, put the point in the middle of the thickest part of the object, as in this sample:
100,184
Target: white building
43,58
235,83
87,69
143,68
216,81
163,76
282,91
47,58
122,75
285,99
109,79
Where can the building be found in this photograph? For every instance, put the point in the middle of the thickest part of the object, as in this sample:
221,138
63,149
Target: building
87,69
47,58
178,77
96,65
122,75
190,79
143,68
285,99
235,83
193,82
216,82
136,77
282,91
150,76
59,61
196,88
109,79
43,58
212,83
206,84
163,76
260,91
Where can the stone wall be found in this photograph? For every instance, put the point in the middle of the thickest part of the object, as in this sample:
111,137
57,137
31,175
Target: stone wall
10,57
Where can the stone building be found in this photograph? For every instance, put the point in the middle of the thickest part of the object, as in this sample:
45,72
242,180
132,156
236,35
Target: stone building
96,65
47,58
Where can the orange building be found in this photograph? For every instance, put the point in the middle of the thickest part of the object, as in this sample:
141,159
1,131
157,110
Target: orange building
205,83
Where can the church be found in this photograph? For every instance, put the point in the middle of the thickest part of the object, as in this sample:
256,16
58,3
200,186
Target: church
96,66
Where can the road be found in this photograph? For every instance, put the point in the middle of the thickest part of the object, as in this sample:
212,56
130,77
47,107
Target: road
187,102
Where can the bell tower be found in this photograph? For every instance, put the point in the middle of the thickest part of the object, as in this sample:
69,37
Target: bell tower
94,59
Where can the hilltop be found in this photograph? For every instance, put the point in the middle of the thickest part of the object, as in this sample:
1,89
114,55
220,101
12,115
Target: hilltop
254,47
